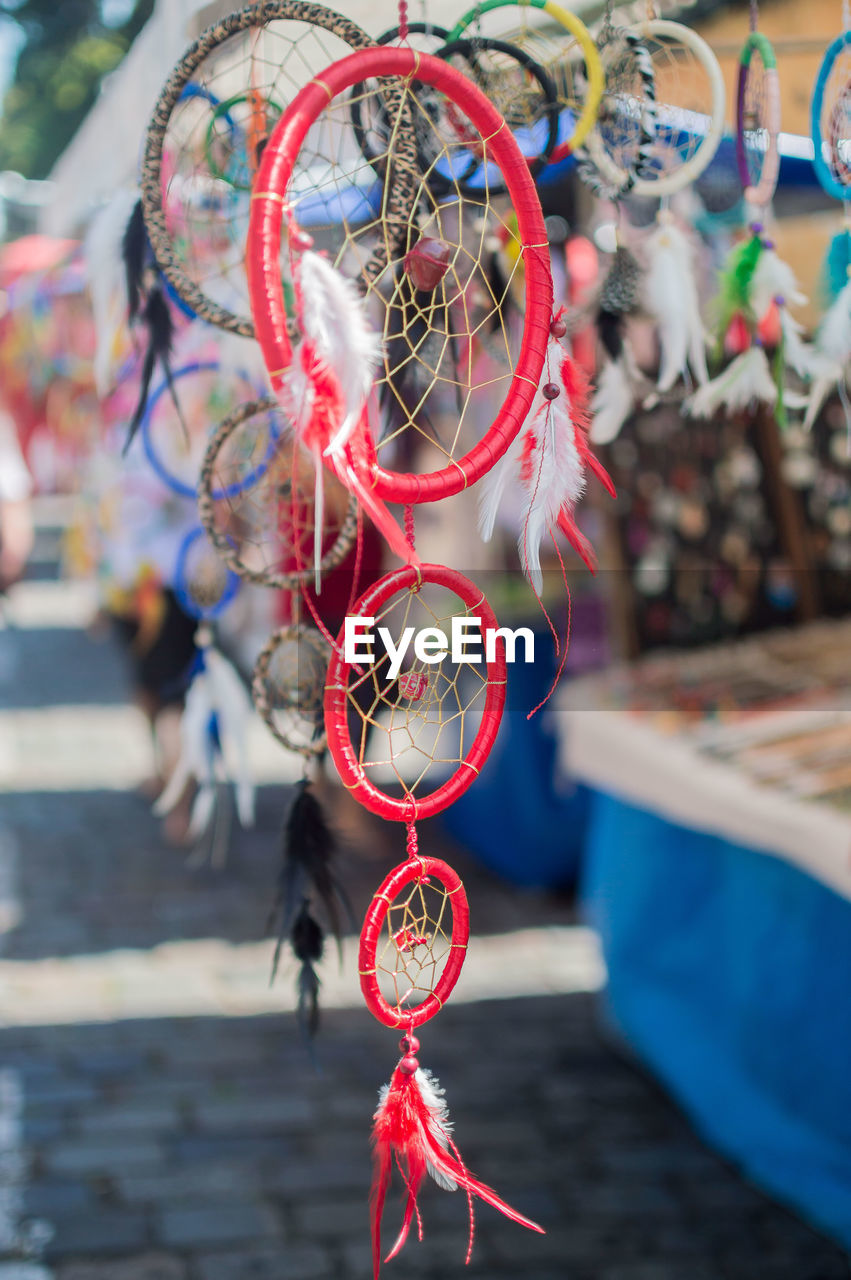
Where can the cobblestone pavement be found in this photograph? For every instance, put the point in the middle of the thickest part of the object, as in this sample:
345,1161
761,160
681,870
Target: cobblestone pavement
159,1118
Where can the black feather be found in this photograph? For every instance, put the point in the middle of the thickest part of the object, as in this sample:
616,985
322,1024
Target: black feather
309,848
157,320
135,253
610,329
307,937
307,943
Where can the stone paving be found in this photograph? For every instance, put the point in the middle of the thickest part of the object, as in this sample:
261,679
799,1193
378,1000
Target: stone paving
160,1119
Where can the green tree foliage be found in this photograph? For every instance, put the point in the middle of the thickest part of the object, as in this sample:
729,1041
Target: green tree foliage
68,48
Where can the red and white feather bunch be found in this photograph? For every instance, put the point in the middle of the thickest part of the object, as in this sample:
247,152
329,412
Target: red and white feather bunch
412,1131
550,457
326,390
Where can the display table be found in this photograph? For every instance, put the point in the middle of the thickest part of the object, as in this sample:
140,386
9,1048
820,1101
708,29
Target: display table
717,870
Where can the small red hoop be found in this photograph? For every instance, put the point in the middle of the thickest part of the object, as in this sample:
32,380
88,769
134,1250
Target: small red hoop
343,753
264,251
418,869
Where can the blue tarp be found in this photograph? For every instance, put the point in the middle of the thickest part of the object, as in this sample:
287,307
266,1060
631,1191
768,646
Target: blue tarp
728,976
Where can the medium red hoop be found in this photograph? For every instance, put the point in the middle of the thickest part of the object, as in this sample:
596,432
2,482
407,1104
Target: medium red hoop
417,870
337,698
264,251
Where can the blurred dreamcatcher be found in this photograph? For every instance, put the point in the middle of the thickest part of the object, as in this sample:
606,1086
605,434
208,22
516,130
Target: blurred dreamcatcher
206,137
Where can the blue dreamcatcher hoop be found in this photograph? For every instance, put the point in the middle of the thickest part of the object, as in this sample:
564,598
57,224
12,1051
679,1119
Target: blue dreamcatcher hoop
175,482
830,119
203,583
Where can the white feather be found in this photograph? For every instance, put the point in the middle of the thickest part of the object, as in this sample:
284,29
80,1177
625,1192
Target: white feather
671,298
102,250
195,759
745,382
555,477
831,354
492,486
773,278
233,711
335,322
557,480
800,356
215,691
833,338
440,1126
820,389
203,807
612,402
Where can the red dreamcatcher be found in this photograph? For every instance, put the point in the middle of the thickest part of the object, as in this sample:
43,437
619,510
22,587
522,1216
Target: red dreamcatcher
374,348
408,736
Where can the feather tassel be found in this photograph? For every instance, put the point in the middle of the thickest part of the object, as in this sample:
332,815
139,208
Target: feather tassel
412,1130
327,389
309,849
212,743
671,298
134,251
308,944
550,457
614,399
734,285
746,382
146,303
833,351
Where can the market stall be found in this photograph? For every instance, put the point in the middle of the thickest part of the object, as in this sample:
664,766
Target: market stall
718,871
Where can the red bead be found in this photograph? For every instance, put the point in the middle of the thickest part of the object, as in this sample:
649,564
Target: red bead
409,1065
409,1044
427,263
550,391
558,328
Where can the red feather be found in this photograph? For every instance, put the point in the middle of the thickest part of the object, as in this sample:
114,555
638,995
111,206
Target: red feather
577,540
578,389
352,466
415,1132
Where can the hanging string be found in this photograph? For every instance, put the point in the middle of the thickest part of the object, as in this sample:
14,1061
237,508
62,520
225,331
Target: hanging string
560,671
403,20
846,15
409,525
754,13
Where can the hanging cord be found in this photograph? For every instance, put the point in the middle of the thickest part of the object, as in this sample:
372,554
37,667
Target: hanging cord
754,13
846,15
403,20
413,846
409,525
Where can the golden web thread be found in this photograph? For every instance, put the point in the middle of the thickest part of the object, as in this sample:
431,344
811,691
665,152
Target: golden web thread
272,521
407,968
407,724
206,575
435,382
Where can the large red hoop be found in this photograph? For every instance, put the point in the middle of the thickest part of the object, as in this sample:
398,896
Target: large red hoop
340,743
264,250
417,869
